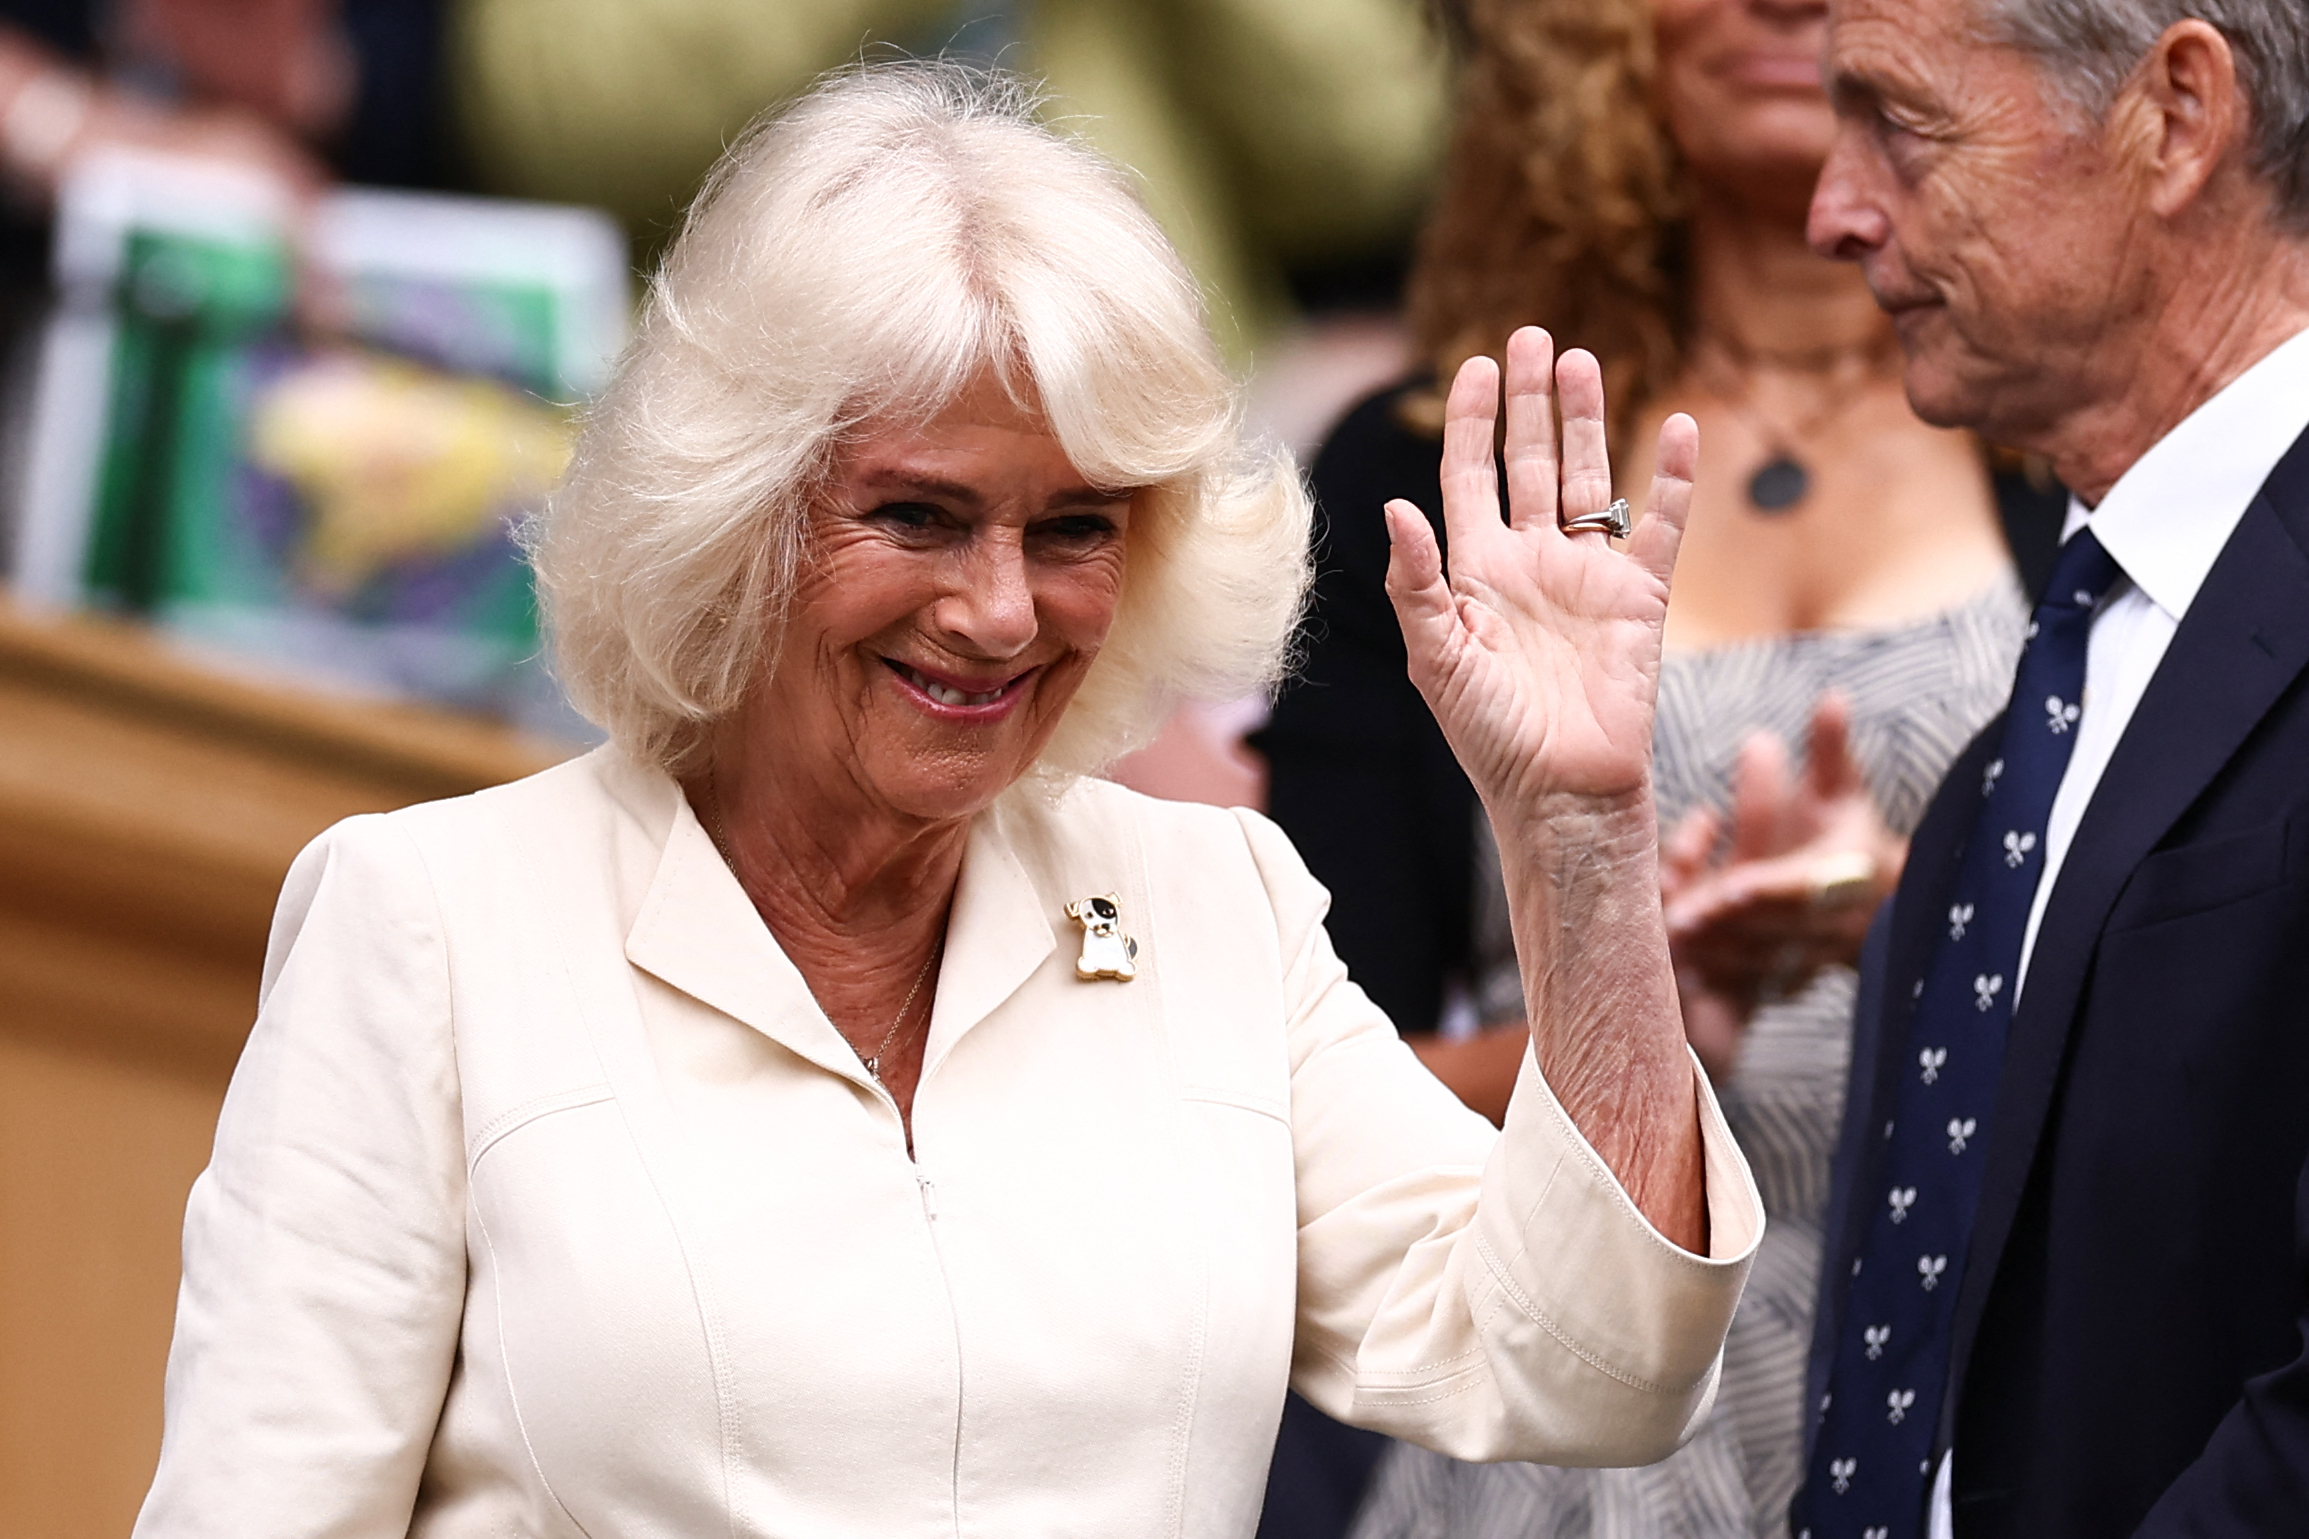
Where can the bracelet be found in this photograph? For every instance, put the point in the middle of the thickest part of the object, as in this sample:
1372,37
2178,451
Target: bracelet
45,116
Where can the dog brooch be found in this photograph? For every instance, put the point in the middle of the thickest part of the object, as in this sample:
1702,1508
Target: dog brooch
1106,951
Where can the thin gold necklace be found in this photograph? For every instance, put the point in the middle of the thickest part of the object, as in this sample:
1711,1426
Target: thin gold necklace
874,1064
720,838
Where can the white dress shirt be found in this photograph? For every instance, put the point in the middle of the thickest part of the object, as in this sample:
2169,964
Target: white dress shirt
546,1201
2165,523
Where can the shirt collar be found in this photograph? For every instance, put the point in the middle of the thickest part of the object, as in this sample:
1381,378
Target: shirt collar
2168,516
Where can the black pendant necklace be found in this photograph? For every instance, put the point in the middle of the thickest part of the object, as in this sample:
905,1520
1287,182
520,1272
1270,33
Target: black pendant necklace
1780,485
1783,483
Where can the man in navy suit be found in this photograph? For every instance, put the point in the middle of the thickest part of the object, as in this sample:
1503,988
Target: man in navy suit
2063,1293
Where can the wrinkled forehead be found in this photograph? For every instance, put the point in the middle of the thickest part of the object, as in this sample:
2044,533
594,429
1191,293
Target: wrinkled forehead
1917,19
1939,54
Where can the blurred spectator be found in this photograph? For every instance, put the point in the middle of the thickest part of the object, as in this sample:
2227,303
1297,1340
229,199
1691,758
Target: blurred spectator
301,92
1635,176
1274,137
304,90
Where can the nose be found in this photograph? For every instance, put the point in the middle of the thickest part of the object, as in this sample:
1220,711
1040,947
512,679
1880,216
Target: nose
987,610
1845,222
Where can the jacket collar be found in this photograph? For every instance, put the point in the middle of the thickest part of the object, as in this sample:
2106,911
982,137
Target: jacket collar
698,932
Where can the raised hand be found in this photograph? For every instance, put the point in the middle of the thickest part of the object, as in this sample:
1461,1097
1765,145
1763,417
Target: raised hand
1539,651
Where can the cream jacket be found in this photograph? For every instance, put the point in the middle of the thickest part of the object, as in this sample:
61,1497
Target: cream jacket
546,1202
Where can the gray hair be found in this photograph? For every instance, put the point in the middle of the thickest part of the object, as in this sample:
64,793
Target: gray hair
2090,48
860,257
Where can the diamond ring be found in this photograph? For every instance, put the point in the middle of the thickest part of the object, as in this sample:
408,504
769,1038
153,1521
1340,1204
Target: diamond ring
1614,521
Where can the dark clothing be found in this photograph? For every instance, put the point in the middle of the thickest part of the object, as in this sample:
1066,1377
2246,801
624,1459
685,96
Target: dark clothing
1318,1476
2133,1264
1361,779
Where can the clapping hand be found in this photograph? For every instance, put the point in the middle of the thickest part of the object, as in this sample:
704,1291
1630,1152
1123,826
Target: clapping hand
1539,651
1759,902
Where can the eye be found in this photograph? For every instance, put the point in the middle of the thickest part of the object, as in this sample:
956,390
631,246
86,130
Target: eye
1076,531
910,520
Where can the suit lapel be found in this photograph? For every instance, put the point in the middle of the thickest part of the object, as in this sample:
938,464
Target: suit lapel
2244,641
997,934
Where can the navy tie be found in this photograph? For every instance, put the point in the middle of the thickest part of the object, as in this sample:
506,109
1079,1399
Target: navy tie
1873,1461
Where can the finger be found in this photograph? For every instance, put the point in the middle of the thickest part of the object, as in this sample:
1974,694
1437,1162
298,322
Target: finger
1531,458
1415,586
1586,457
1760,795
1668,505
1684,853
1829,770
1470,454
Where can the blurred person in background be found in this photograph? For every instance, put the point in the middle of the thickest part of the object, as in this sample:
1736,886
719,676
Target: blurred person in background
827,1108
1635,176
300,92
303,90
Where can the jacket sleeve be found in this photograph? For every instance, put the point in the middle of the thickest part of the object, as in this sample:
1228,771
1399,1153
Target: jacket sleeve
2253,1477
324,1245
1487,1295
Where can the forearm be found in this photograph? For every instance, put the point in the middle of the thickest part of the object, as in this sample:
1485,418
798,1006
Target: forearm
1583,898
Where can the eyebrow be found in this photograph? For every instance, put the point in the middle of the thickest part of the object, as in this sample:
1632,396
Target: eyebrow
967,496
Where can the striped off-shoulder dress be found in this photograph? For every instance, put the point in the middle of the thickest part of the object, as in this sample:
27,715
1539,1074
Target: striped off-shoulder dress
1918,693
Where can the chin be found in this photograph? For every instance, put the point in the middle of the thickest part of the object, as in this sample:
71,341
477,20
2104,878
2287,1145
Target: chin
942,785
1940,390
1939,400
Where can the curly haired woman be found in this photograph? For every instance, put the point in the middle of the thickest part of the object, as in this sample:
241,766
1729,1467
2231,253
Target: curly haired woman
1635,175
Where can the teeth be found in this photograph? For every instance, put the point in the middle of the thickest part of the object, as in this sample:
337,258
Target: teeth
946,694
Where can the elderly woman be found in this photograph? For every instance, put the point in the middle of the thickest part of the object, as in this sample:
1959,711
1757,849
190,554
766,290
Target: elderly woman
825,1110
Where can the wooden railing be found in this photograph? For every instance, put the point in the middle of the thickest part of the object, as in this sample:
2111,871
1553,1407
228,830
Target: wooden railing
149,807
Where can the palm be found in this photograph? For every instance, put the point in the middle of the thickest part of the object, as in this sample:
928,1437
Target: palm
1539,651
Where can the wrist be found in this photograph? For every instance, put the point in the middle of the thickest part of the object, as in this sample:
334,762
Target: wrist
1598,832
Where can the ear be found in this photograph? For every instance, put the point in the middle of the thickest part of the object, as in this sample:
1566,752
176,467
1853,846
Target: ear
2183,114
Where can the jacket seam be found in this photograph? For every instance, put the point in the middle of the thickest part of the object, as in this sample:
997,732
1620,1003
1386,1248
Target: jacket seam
512,1391
1237,1100
1547,1323
535,1109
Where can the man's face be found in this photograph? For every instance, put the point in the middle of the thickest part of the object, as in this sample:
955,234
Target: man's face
1988,218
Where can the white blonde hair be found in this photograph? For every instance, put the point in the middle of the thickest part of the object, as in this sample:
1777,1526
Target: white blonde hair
863,256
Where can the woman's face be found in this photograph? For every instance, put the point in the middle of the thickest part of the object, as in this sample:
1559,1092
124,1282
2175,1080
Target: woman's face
1740,84
962,580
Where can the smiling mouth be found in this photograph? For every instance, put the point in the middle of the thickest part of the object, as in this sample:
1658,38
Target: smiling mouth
949,694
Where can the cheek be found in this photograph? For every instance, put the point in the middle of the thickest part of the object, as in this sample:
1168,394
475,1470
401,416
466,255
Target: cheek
1078,604
857,596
